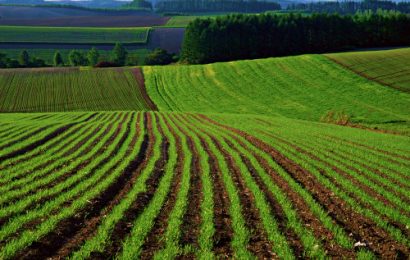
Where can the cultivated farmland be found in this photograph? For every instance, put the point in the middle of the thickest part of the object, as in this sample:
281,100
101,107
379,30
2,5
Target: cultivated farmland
74,35
302,87
234,164
132,184
72,89
389,67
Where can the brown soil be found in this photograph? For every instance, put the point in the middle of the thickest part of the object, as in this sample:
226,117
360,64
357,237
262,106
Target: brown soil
309,220
139,76
363,187
191,225
90,225
344,156
67,229
222,220
362,228
154,242
259,244
51,145
347,176
76,169
44,140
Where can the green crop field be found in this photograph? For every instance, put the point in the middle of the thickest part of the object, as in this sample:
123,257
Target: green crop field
48,54
126,185
302,87
74,35
229,160
391,67
70,89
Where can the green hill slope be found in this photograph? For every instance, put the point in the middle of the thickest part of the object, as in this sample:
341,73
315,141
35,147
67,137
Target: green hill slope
51,90
303,87
389,67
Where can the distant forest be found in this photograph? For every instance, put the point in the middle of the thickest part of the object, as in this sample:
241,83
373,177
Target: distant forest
237,37
351,7
246,6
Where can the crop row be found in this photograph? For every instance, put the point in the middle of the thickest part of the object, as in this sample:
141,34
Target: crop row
165,185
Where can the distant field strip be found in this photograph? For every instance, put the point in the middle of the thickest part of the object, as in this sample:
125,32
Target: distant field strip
70,89
72,35
389,67
129,185
302,87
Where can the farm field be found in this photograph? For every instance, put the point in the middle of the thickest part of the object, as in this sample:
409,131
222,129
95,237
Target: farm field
301,87
389,67
74,17
72,89
48,54
73,35
184,20
236,160
134,184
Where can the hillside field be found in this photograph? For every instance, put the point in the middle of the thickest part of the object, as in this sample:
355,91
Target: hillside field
389,67
73,35
237,160
301,87
71,89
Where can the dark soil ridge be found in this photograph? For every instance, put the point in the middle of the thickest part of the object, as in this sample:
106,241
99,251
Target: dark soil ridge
139,76
299,204
154,241
258,244
223,235
33,206
42,141
191,224
68,174
370,191
50,145
375,170
122,187
36,168
53,241
364,229
124,227
27,136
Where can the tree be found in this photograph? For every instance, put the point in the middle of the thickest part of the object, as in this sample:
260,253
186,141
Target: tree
24,59
3,60
119,54
76,58
159,57
93,56
58,59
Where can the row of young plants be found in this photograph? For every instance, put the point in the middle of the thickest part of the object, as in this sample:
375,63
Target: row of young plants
114,157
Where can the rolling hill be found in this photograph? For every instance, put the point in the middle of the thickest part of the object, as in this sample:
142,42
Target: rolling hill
301,87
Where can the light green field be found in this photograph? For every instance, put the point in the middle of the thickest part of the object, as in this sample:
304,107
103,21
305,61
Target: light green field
48,54
389,67
302,87
69,89
72,35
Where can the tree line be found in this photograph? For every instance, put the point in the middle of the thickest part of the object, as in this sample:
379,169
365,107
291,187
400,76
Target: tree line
119,57
350,7
192,6
236,37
